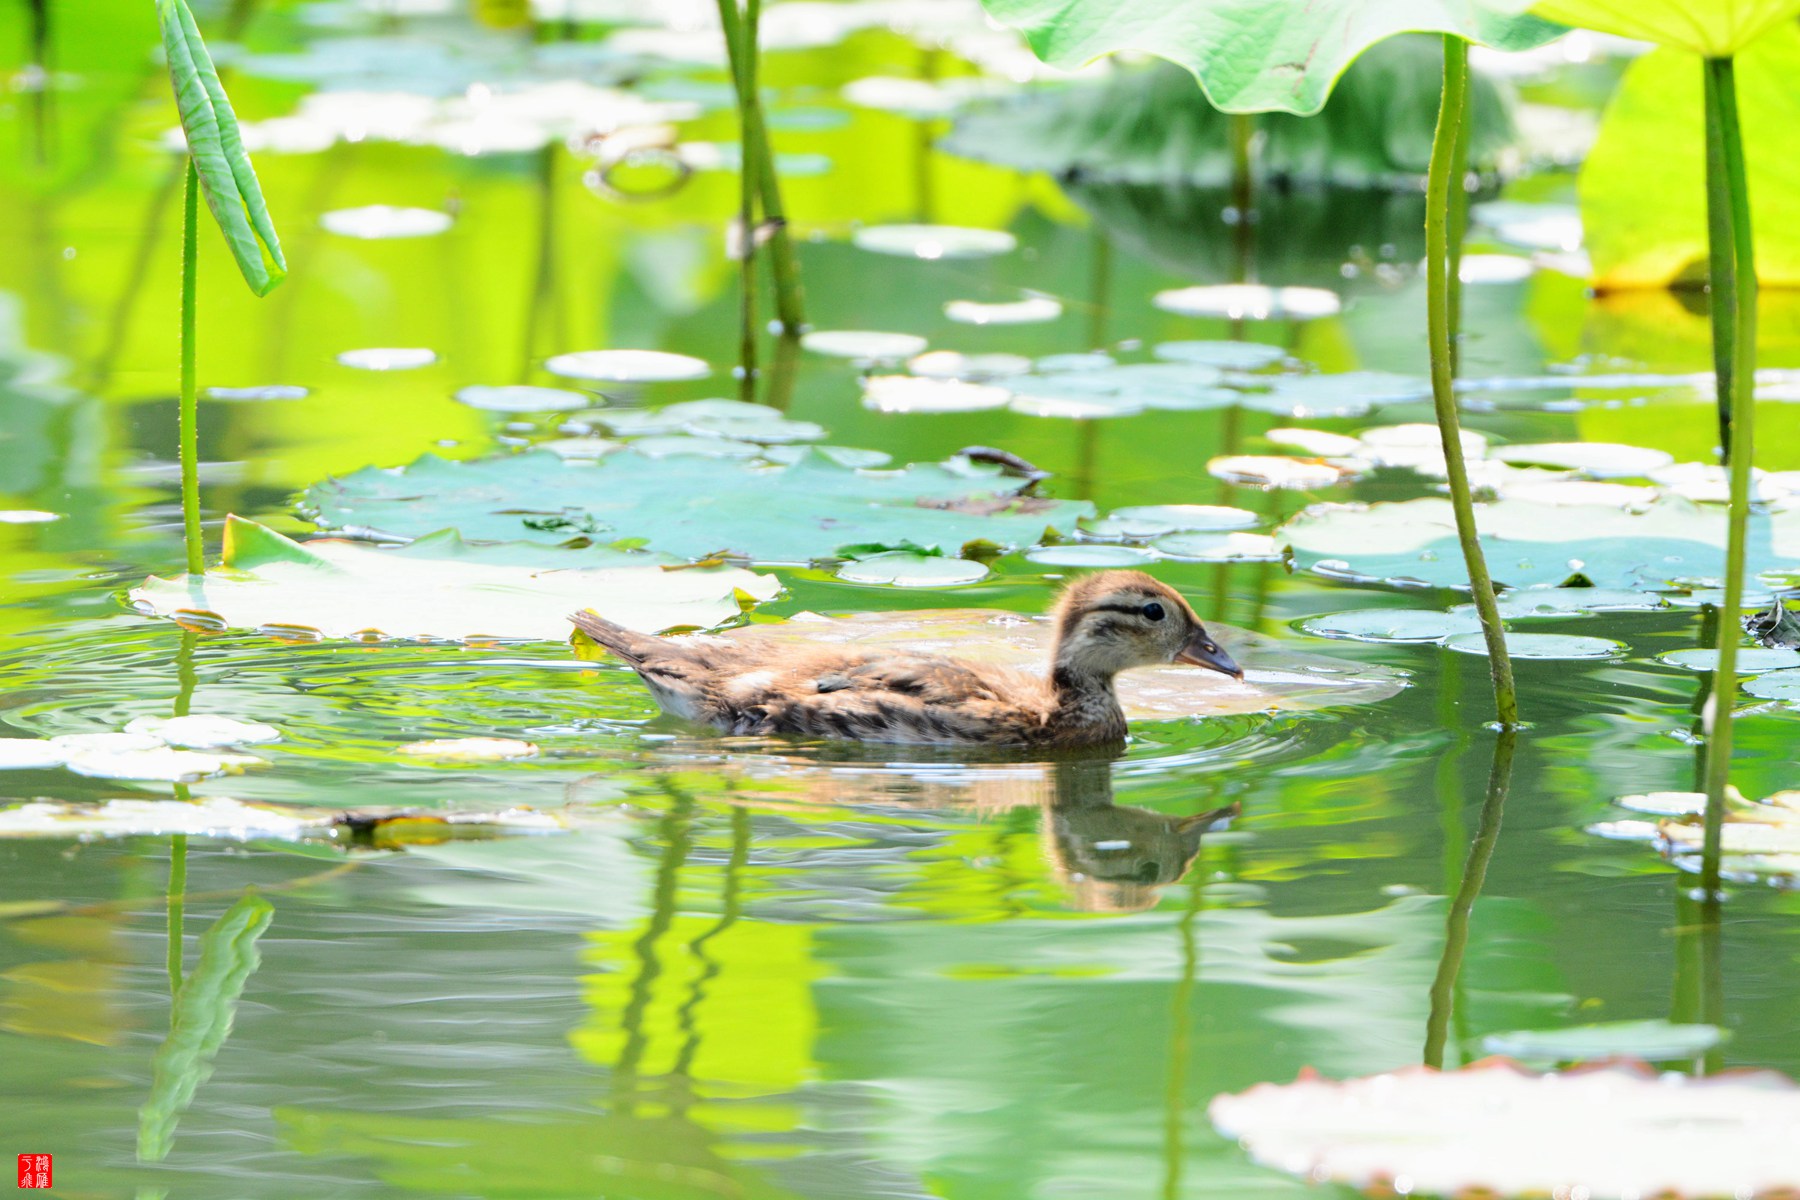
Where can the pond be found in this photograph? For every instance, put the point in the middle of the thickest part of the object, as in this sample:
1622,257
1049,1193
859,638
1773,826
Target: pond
648,960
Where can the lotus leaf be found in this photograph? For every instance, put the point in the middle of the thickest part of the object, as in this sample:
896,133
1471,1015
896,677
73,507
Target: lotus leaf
1413,543
1277,678
1643,193
1253,55
1714,28
223,817
438,588
696,507
1496,1129
1656,1040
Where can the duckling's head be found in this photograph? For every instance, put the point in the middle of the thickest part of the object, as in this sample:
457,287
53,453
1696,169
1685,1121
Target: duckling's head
1114,620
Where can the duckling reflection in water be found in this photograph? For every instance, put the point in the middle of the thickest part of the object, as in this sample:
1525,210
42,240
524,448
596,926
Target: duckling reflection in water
1113,857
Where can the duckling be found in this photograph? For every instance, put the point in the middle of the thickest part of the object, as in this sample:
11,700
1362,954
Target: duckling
1105,623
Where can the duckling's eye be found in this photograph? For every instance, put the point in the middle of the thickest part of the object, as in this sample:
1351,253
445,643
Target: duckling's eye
1154,611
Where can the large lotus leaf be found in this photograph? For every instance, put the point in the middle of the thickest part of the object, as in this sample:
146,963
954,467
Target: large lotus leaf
1665,544
1276,678
1494,1129
1151,125
698,507
1714,28
348,589
1256,55
1643,188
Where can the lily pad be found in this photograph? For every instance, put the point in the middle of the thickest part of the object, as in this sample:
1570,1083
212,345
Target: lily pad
388,358
436,588
1079,554
867,345
225,818
1315,442
1249,302
1602,460
695,508
1566,646
1032,311
1574,601
257,394
1230,356
1277,678
1219,547
1494,1128
204,731
1654,1040
162,764
627,366
472,749
1275,471
1413,543
931,242
523,398
954,364
1772,685
1750,661
1391,625
26,754
378,221
908,394
905,569
1188,518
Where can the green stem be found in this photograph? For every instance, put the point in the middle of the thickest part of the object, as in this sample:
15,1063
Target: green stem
1437,213
1242,128
790,300
741,30
1734,342
1459,228
1181,1027
1474,875
1721,263
190,408
177,896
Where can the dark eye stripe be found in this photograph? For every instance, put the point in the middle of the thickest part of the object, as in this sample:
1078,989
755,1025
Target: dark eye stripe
1135,610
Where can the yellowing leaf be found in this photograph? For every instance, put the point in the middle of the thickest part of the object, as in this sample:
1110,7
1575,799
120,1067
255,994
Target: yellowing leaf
1714,28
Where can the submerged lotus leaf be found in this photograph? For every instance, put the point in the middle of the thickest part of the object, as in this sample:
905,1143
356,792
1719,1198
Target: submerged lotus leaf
1413,543
1250,55
1277,678
438,588
698,507
1655,1040
1494,1128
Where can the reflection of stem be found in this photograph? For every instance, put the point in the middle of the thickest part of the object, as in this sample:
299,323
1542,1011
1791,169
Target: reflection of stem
190,413
676,839
783,372
177,895
1734,338
120,327
543,287
924,146
1087,453
730,907
1242,128
1699,965
1099,287
1456,925
1180,1030
1437,210
40,99
186,677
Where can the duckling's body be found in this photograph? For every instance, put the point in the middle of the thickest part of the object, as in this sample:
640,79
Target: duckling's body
1105,624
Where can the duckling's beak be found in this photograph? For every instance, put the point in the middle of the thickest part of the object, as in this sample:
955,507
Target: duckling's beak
1201,651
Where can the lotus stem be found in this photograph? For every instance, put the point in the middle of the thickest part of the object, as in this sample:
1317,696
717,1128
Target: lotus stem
177,896
740,52
1474,875
1437,258
189,422
1459,229
1734,359
758,166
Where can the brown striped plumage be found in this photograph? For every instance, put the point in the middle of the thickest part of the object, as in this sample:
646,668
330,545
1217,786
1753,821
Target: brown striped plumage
1105,623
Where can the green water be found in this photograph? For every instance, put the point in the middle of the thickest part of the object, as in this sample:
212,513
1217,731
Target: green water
763,968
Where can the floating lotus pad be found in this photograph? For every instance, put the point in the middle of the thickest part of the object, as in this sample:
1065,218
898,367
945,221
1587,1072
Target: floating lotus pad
1773,685
866,344
1219,547
1413,543
1495,268
1653,1040
1275,471
1493,1128
1749,661
377,221
222,817
954,364
906,569
1315,442
1250,302
470,749
522,398
1574,601
1088,360
1348,394
1188,518
1278,678
627,366
257,394
931,242
1391,625
388,358
695,508
204,731
1603,460
695,447
1564,646
1079,554
438,588
1230,356
907,394
28,754
1032,311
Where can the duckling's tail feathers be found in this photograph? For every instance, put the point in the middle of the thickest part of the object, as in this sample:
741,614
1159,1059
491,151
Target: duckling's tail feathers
634,648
